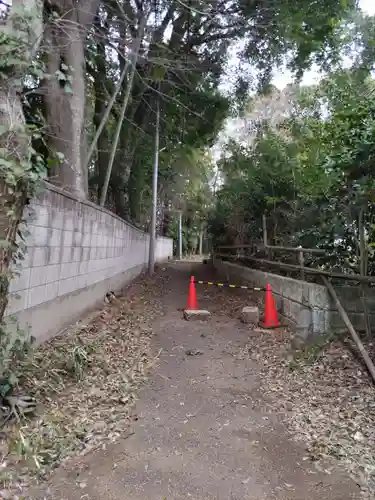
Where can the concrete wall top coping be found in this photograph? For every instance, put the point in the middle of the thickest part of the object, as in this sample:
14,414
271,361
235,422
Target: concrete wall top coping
67,194
291,295
286,279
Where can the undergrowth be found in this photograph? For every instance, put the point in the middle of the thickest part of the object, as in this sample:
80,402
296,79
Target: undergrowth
311,352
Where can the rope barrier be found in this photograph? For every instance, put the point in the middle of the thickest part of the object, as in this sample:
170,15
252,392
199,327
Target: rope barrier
258,289
227,285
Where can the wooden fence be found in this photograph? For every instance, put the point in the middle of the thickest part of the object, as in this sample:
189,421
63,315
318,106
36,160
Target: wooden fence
250,253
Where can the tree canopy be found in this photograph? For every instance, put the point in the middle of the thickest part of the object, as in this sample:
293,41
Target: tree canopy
310,172
167,50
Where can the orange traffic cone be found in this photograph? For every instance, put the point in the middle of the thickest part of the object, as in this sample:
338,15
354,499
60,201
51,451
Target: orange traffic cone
192,304
270,313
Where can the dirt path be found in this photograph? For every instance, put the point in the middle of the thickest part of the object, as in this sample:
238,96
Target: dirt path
204,429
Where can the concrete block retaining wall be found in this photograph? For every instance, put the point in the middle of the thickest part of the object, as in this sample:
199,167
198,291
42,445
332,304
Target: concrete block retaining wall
77,252
319,316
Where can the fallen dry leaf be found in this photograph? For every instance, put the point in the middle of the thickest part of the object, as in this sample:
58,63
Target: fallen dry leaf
327,401
85,382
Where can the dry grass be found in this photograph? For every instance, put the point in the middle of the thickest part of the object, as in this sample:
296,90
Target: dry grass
85,382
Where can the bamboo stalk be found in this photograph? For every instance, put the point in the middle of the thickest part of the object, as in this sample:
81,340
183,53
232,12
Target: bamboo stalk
348,324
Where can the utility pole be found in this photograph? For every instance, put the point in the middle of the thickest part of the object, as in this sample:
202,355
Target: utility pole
201,241
180,235
151,257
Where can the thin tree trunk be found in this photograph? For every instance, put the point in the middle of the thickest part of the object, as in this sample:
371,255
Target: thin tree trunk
201,242
100,107
105,117
133,62
135,179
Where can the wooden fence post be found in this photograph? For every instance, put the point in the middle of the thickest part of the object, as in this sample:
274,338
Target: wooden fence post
301,261
265,238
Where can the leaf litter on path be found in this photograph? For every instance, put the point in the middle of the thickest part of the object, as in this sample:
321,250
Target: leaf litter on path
326,400
328,403
85,382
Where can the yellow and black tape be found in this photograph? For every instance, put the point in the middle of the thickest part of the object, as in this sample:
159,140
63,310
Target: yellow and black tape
227,285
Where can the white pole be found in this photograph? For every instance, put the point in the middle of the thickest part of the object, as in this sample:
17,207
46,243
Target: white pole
151,258
180,235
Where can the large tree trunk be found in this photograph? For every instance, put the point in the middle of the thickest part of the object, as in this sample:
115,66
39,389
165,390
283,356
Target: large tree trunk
65,92
23,26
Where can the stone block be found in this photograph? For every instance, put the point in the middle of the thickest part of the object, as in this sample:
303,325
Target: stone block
250,315
57,219
52,273
20,281
199,315
86,241
68,238
69,269
304,324
40,256
40,236
17,302
36,295
67,254
37,277
77,254
77,238
80,281
41,216
55,237
86,253
28,257
83,267
52,290
54,255
69,222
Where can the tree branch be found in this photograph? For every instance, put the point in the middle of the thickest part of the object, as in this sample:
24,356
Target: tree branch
234,31
159,32
129,16
87,10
